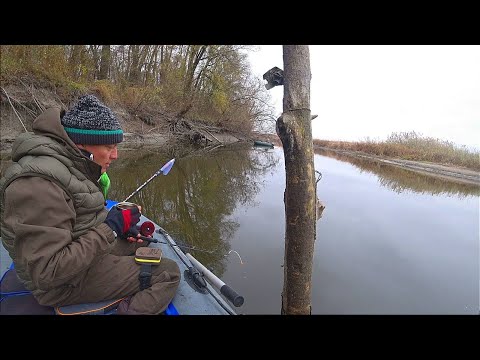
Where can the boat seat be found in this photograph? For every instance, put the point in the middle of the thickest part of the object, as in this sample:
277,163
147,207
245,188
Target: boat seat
15,299
108,307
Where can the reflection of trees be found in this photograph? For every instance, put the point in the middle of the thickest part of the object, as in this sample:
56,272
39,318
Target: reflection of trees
400,180
194,200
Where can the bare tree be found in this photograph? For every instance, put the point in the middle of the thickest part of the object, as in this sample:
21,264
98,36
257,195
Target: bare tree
75,60
104,62
295,131
137,55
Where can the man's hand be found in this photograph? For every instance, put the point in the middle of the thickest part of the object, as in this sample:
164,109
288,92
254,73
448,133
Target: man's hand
124,222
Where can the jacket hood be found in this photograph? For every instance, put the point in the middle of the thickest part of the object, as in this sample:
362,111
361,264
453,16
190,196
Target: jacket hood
48,124
50,138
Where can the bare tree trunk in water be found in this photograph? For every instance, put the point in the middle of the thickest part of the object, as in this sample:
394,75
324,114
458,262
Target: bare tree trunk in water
294,128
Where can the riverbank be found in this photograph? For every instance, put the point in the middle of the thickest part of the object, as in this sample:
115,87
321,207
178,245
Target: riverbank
414,147
445,171
165,139
450,173
142,126
135,140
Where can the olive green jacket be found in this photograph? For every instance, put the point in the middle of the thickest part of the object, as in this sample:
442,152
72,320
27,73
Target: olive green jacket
52,209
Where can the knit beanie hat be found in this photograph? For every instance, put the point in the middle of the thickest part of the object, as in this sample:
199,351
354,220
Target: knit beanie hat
90,122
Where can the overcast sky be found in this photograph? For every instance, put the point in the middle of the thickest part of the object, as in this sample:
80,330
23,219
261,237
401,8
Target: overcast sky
361,91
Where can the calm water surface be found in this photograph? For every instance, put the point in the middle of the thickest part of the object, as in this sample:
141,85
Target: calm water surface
390,241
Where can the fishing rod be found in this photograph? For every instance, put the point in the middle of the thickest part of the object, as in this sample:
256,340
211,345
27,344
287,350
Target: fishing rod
149,228
146,230
225,290
195,272
164,169
151,239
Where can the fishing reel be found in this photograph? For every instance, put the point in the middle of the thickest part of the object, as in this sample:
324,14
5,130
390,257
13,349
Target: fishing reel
146,228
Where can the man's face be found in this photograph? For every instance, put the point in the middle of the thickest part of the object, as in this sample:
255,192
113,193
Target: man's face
103,155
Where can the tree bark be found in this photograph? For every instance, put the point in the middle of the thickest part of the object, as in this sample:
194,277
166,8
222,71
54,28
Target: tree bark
134,74
104,62
295,131
75,60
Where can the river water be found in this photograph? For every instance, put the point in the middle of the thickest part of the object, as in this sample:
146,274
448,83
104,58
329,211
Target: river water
389,241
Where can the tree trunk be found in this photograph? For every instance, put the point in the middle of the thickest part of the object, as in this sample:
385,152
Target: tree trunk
94,50
75,61
295,131
134,74
104,62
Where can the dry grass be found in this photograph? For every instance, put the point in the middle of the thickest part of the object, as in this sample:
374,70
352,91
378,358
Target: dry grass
412,146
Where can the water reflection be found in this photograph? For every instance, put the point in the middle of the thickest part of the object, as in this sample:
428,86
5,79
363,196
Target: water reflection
193,202
400,180
376,251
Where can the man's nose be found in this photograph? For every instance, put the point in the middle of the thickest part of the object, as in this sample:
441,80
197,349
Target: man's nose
114,154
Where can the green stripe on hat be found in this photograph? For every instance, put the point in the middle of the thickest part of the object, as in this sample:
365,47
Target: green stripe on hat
93,132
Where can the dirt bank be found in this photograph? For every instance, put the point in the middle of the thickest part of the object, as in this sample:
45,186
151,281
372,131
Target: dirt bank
450,173
136,140
20,105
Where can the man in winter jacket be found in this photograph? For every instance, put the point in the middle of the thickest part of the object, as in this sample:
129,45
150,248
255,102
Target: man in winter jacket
66,247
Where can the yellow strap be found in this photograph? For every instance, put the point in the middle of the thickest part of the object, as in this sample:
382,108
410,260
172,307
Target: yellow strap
147,260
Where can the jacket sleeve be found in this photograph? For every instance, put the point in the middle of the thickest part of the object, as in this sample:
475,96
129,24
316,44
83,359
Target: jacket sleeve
42,217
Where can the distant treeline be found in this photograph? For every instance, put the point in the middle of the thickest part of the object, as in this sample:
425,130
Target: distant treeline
412,146
212,83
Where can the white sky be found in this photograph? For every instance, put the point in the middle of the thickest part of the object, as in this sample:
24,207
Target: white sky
361,91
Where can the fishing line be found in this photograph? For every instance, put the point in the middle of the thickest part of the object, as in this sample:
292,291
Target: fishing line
241,262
